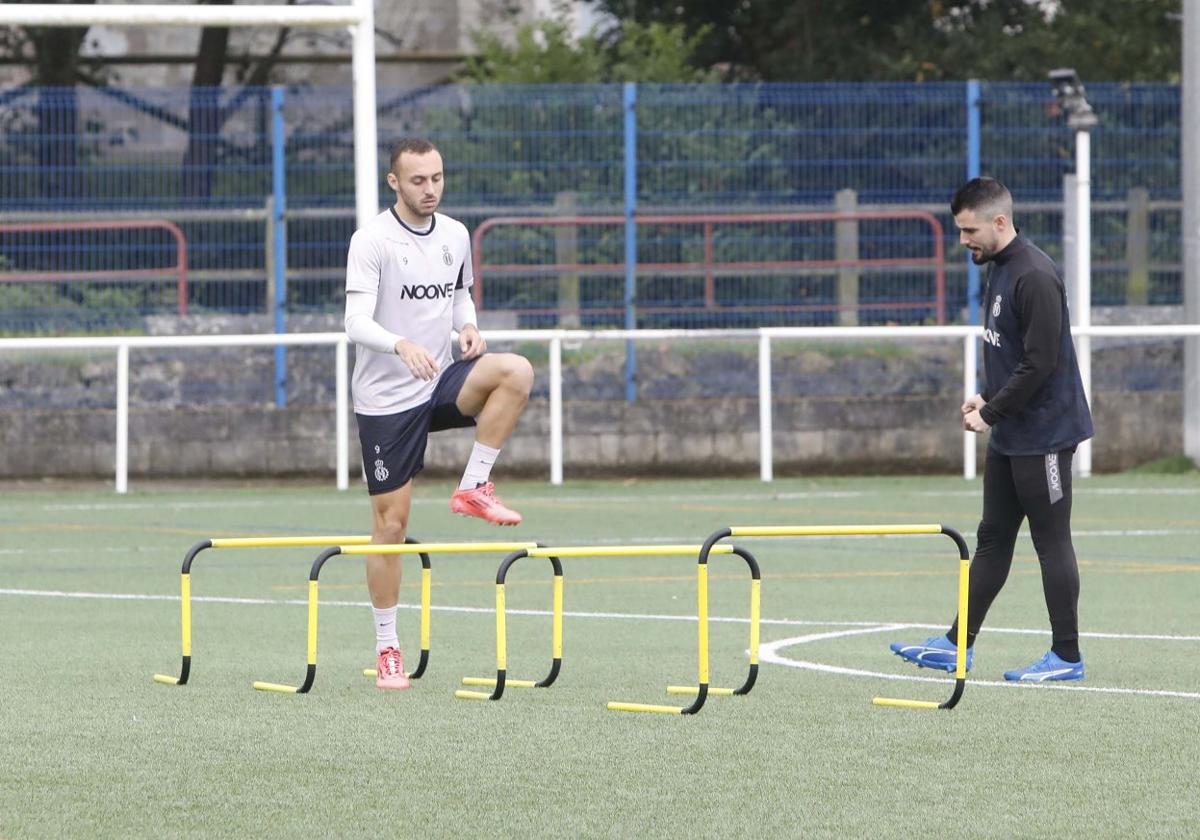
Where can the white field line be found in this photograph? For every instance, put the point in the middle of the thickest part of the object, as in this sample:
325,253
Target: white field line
868,626
769,653
663,539
766,495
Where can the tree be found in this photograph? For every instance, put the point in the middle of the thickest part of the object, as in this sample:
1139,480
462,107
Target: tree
546,52
826,40
55,68
206,112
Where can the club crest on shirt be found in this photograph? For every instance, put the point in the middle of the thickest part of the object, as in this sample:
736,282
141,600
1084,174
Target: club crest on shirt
996,307
446,258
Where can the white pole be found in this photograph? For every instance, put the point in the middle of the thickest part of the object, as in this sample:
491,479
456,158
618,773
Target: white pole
366,143
1190,233
765,433
342,420
1083,285
134,14
970,361
122,418
556,409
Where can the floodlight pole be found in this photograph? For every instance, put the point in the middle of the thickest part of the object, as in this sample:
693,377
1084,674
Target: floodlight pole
1191,226
1068,90
1083,279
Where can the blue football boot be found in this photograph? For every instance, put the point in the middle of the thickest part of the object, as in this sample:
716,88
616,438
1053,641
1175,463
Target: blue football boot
935,652
1049,667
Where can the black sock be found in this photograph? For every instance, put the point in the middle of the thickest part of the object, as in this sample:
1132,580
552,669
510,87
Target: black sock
1067,651
953,639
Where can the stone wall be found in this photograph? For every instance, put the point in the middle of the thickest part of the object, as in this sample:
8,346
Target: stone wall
839,408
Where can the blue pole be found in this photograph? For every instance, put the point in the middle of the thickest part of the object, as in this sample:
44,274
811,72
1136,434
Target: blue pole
279,231
630,100
972,172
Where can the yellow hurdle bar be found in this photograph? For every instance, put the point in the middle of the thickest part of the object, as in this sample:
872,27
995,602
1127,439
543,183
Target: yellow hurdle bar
623,550
501,654
426,605
491,681
693,690
644,707
185,600
701,613
960,671
960,660
277,687
236,542
313,600
287,542
436,548
832,530
556,637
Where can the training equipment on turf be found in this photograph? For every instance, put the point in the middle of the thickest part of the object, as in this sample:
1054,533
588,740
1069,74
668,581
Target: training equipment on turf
935,652
423,550
185,585
1050,668
964,566
701,690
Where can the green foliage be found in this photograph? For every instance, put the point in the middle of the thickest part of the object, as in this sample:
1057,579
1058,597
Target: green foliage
546,52
1174,465
1133,40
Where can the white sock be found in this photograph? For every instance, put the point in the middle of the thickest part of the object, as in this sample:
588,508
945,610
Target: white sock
479,467
385,629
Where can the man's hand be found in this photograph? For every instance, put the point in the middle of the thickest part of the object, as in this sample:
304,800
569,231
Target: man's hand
418,359
470,342
974,422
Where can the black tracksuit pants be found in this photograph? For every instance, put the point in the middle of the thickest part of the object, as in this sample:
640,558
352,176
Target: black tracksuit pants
1037,488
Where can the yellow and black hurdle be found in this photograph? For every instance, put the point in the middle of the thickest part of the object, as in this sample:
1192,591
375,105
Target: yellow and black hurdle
964,565
554,553
185,582
410,547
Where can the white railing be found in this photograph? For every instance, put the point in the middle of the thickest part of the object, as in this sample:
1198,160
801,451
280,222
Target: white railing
555,340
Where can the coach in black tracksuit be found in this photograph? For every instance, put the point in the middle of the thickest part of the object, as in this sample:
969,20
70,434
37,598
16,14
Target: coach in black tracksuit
1034,405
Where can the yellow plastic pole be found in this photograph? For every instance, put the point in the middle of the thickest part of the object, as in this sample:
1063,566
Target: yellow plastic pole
755,600
624,550
501,639
964,573
831,530
557,631
312,622
185,622
276,687
437,548
285,542
702,613
905,704
185,597
492,682
426,599
694,690
644,707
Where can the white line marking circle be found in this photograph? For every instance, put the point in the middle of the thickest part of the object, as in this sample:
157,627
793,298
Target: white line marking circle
768,652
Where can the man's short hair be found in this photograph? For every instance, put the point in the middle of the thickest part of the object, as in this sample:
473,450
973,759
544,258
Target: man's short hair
983,194
411,145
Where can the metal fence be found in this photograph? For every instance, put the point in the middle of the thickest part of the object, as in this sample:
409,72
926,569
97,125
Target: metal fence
217,163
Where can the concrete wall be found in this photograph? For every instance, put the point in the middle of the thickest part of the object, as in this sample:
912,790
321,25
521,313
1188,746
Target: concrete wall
869,409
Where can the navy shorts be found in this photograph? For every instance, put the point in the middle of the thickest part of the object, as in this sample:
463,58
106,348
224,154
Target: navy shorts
393,445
